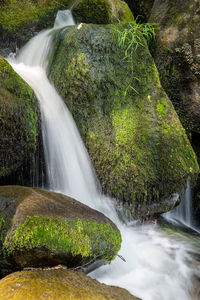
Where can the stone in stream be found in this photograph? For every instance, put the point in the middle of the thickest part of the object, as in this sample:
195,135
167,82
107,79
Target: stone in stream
135,140
58,284
42,228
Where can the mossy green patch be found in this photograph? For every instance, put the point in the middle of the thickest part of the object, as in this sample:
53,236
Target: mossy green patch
58,284
19,119
5,225
77,237
16,14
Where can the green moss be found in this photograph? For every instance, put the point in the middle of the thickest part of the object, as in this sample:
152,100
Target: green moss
16,14
58,284
78,237
5,225
19,120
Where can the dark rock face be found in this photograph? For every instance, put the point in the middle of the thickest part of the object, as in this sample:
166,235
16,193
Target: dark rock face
141,8
20,135
177,56
58,284
135,140
41,228
101,11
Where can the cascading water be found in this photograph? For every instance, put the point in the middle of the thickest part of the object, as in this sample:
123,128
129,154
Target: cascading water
183,214
158,266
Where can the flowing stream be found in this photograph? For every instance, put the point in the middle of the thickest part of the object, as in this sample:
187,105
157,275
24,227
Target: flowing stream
160,264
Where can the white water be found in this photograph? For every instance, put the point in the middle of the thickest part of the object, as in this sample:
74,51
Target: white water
183,214
157,266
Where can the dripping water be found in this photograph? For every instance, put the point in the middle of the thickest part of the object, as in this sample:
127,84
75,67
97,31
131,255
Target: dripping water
158,266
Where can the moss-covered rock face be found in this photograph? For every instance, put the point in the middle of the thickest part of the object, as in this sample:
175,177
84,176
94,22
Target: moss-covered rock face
20,19
50,228
19,123
177,55
136,142
58,284
102,11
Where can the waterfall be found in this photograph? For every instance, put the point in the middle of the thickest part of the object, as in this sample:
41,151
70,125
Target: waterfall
183,213
157,266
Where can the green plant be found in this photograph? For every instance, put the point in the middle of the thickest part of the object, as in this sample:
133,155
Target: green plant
129,37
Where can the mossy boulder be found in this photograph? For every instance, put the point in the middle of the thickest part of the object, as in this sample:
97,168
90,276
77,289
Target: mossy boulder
102,11
19,123
47,228
135,140
58,284
177,56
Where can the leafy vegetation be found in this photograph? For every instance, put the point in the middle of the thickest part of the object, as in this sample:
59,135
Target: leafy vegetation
129,38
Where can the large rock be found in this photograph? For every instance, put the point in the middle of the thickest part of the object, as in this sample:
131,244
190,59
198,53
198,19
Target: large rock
58,284
20,127
136,142
177,56
41,228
